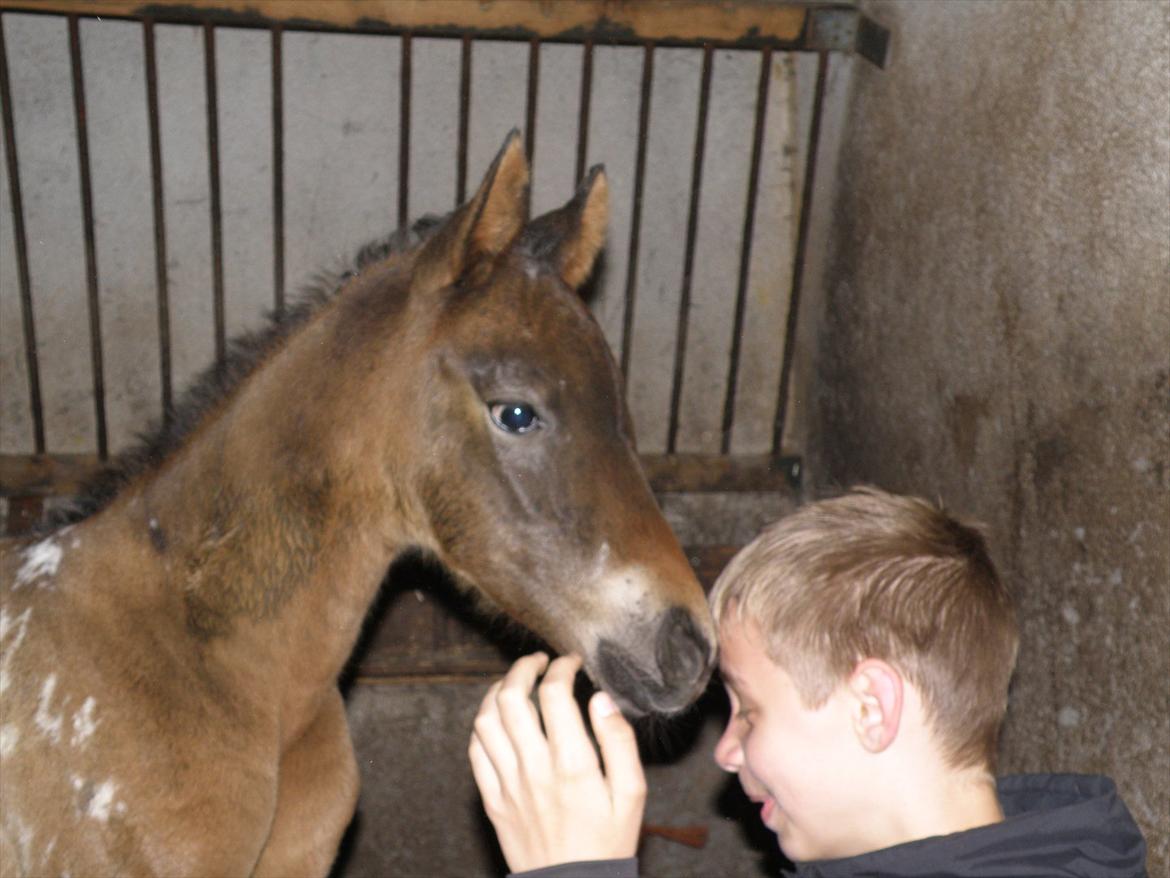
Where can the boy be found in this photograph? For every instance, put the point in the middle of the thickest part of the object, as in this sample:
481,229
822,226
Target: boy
866,644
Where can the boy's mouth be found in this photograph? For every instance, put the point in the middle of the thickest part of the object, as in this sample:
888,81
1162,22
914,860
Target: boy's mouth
767,808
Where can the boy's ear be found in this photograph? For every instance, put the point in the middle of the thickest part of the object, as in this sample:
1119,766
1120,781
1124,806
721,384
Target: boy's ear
876,690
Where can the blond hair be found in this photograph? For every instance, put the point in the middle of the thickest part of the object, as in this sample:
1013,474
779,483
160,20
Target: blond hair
875,575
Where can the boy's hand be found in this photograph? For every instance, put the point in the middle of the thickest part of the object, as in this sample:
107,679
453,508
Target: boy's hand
546,796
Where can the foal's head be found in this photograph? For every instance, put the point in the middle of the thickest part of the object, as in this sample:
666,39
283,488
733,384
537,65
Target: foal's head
525,477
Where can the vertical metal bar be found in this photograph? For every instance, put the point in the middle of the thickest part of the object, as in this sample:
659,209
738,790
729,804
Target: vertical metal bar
404,89
162,288
26,305
583,113
745,259
93,301
216,202
810,168
464,116
278,169
636,211
684,307
530,106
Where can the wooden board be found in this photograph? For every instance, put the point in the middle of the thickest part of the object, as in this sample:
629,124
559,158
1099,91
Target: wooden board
742,24
62,475
421,629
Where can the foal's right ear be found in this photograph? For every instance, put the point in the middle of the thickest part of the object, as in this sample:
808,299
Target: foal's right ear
483,227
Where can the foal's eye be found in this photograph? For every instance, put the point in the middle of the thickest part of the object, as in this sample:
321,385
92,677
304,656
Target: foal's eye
514,417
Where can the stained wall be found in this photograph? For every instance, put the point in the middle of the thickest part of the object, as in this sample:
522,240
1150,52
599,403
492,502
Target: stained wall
994,330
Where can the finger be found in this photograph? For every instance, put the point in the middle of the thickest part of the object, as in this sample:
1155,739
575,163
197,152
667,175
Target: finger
484,773
619,752
569,744
493,740
518,715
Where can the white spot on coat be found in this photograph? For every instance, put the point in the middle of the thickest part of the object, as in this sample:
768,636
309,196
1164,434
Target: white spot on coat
12,632
9,738
8,623
102,802
17,829
41,561
49,724
84,725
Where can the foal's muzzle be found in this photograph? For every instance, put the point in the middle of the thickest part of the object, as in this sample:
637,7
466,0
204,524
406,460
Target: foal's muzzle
682,659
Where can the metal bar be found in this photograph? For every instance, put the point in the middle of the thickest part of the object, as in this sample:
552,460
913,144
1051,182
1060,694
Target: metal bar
464,118
404,89
162,287
530,105
278,170
810,168
583,113
636,211
216,201
93,302
745,259
28,321
684,307
846,29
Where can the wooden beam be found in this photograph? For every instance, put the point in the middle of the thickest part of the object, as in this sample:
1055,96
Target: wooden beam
46,475
422,634
688,473
63,475
746,24
416,631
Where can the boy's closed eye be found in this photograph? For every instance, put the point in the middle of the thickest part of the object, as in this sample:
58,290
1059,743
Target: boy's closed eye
739,709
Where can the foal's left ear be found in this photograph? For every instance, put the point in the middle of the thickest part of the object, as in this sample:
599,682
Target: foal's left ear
483,227
570,237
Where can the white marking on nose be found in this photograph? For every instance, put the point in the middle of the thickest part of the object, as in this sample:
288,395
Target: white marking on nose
84,725
41,561
12,631
49,724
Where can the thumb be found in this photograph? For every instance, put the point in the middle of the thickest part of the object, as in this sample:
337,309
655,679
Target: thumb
619,752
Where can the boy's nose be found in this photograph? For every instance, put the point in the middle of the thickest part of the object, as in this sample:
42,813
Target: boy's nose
728,752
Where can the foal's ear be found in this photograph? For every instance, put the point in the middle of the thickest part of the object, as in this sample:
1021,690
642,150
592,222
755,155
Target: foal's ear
483,227
570,237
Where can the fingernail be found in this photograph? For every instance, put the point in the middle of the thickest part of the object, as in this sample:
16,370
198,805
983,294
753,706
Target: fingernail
603,705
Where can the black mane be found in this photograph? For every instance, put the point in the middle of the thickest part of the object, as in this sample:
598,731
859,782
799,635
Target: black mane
244,353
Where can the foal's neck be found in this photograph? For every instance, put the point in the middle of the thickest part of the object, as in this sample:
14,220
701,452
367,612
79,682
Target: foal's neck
273,533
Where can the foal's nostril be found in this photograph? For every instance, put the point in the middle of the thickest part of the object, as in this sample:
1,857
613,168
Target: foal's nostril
682,651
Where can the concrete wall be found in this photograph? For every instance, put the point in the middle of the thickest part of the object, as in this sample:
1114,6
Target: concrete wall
996,316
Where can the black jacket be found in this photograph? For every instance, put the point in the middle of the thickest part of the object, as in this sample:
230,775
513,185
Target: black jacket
1054,826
